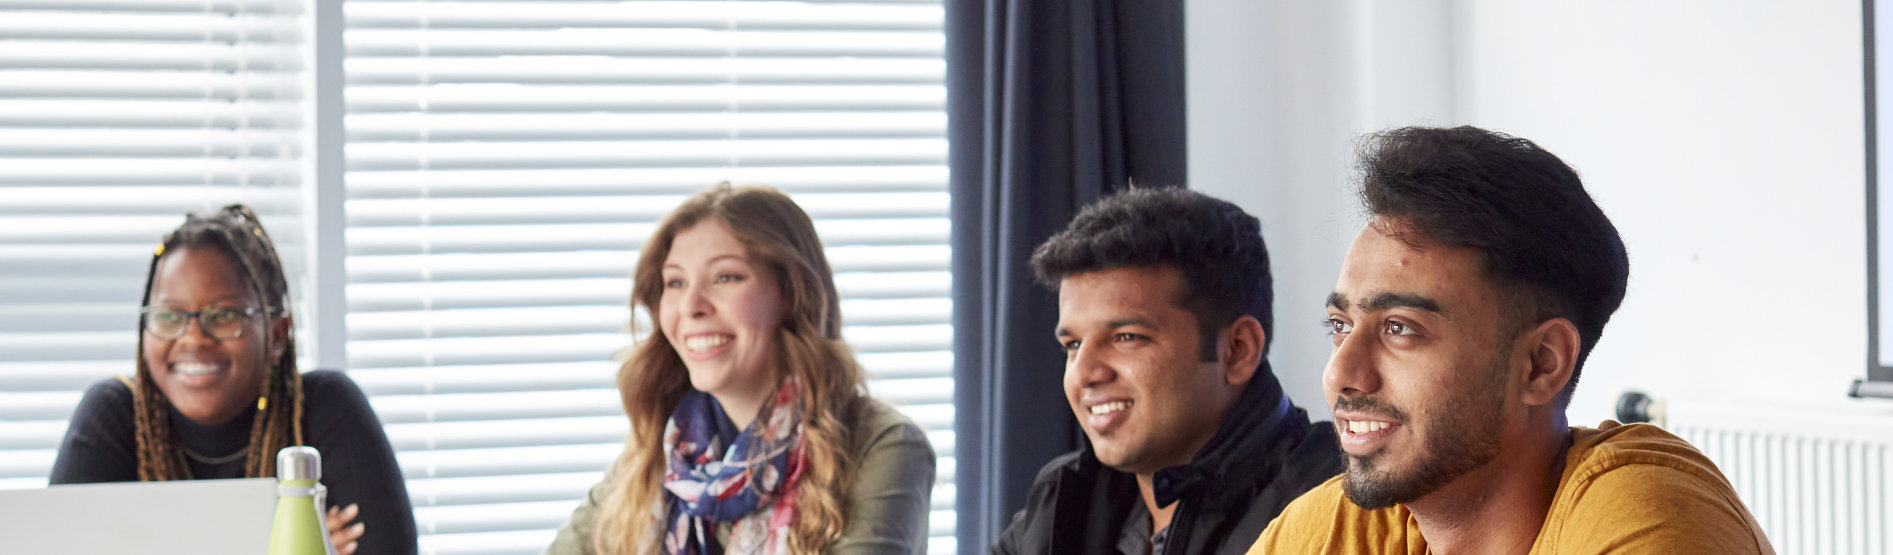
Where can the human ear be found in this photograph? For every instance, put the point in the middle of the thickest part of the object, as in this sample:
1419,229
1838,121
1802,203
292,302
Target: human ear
1239,349
279,329
1553,348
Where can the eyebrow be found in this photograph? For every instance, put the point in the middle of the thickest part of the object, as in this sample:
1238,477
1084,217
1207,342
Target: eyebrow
1385,301
713,259
1337,301
1114,324
233,297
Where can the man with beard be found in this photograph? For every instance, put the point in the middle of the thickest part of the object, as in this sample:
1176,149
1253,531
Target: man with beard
1461,320
1164,314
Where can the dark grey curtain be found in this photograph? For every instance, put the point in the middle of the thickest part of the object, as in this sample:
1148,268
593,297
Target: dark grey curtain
1051,104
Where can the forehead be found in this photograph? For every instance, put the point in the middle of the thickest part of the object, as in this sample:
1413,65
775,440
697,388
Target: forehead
707,240
200,273
1150,293
1380,263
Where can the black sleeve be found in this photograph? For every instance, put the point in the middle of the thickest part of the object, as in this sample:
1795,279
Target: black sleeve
1032,527
99,444
358,464
1028,526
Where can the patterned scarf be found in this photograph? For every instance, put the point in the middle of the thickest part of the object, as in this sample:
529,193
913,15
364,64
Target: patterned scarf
720,475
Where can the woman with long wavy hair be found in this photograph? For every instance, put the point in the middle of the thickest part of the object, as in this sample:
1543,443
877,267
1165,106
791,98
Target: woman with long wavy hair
750,429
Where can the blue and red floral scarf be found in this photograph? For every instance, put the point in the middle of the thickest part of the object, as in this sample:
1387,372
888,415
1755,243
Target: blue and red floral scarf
719,474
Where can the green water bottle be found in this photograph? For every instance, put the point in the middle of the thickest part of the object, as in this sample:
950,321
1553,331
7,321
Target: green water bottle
299,528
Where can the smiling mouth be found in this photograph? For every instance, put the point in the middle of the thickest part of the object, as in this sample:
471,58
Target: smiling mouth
1111,407
702,343
1366,426
195,368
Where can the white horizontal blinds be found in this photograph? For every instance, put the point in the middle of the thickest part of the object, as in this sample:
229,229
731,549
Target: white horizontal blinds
116,118
507,159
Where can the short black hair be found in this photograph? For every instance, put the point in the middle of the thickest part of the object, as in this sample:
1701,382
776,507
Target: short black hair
1216,248
1545,244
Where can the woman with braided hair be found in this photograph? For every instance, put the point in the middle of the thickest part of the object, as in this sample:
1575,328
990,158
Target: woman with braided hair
217,393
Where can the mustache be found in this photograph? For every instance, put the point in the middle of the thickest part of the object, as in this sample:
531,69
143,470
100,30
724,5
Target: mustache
1370,405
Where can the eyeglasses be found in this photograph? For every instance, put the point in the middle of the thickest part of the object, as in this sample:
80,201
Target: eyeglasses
220,322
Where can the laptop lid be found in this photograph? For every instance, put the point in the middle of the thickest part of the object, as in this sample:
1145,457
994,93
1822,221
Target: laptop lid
207,517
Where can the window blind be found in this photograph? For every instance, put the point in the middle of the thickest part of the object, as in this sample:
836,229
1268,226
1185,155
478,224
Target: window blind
116,118
507,159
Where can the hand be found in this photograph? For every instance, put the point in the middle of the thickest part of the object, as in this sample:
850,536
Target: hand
340,533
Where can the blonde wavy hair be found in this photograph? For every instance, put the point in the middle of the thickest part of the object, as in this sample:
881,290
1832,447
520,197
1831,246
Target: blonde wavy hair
781,238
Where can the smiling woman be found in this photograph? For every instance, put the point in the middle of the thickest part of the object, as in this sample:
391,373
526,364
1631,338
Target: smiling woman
750,430
217,392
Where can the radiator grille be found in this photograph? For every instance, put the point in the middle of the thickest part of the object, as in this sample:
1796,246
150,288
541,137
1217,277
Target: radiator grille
1816,479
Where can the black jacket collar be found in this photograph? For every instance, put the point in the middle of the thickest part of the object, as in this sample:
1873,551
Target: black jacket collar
1257,432
1260,428
1263,454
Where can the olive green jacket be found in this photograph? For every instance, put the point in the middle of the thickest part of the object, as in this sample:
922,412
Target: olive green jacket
888,502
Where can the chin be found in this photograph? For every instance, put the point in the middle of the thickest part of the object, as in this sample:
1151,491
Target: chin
1114,456
706,383
718,381
1105,452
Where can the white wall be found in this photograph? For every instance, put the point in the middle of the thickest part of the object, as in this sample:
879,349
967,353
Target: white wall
1725,140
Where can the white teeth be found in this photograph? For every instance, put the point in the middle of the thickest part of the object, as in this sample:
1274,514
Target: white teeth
705,342
1107,408
194,368
1366,426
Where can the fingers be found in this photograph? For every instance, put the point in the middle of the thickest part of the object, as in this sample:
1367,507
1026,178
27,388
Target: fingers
347,539
341,516
340,536
344,537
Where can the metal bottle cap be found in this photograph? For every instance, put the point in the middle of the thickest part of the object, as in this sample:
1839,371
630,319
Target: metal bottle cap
298,462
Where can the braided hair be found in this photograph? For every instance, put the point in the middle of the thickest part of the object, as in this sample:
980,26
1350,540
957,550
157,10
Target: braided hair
278,422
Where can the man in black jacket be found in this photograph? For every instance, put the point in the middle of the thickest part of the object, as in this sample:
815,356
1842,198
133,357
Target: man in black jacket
1164,314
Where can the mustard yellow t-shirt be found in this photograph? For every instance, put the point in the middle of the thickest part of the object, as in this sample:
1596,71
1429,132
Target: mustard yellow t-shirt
1626,489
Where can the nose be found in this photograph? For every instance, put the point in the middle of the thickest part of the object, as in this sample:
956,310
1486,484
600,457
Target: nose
1352,370
194,331
696,304
1089,366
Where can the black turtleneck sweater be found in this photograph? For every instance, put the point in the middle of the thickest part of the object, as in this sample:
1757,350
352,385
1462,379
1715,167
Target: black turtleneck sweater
358,465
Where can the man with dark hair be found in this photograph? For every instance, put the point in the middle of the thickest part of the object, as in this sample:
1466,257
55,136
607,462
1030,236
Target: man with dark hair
1461,319
1164,314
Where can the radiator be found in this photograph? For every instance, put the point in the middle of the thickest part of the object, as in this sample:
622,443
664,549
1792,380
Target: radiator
1818,479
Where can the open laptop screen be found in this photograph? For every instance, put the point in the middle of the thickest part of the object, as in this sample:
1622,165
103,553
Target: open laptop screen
207,517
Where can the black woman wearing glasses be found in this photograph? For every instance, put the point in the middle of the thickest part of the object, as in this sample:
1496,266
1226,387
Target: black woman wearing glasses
217,391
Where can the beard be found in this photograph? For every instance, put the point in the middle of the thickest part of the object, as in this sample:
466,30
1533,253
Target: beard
1461,437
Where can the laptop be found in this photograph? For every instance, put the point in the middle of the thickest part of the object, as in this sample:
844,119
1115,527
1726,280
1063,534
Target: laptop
203,517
